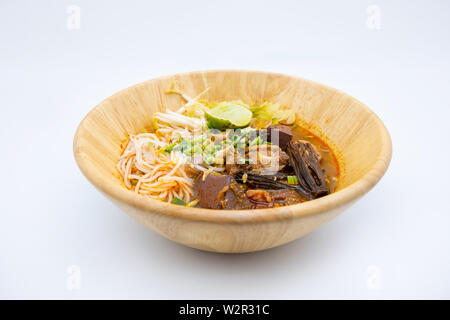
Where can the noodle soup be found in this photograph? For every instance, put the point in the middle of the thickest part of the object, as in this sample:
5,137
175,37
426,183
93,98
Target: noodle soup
228,155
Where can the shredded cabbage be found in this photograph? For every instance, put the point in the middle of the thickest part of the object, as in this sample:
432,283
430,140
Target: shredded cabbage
273,113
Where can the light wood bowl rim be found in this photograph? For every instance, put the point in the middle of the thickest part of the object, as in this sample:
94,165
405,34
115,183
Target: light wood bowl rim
334,200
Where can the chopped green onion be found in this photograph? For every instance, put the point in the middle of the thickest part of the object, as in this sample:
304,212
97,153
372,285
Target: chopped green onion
187,151
209,149
199,138
292,180
192,203
178,201
170,147
255,141
209,159
198,150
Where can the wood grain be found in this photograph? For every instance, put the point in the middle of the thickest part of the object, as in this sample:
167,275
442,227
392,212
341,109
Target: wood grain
358,137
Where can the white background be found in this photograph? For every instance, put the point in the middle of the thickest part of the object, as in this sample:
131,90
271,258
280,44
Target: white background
394,243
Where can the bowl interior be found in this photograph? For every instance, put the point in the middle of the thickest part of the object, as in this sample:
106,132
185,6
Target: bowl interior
357,136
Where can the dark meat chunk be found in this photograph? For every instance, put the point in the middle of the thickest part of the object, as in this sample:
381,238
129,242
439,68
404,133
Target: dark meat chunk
319,156
280,176
219,192
273,198
284,134
261,181
231,169
286,197
305,159
259,195
268,182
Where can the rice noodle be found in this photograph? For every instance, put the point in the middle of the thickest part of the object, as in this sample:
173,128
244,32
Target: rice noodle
153,172
147,168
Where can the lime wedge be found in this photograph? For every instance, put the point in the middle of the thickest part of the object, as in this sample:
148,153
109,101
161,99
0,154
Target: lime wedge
228,115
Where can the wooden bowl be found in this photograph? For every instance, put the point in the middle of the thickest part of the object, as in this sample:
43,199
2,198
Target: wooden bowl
357,136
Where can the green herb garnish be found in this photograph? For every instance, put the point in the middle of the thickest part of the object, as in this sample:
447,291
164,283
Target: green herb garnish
292,180
178,201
